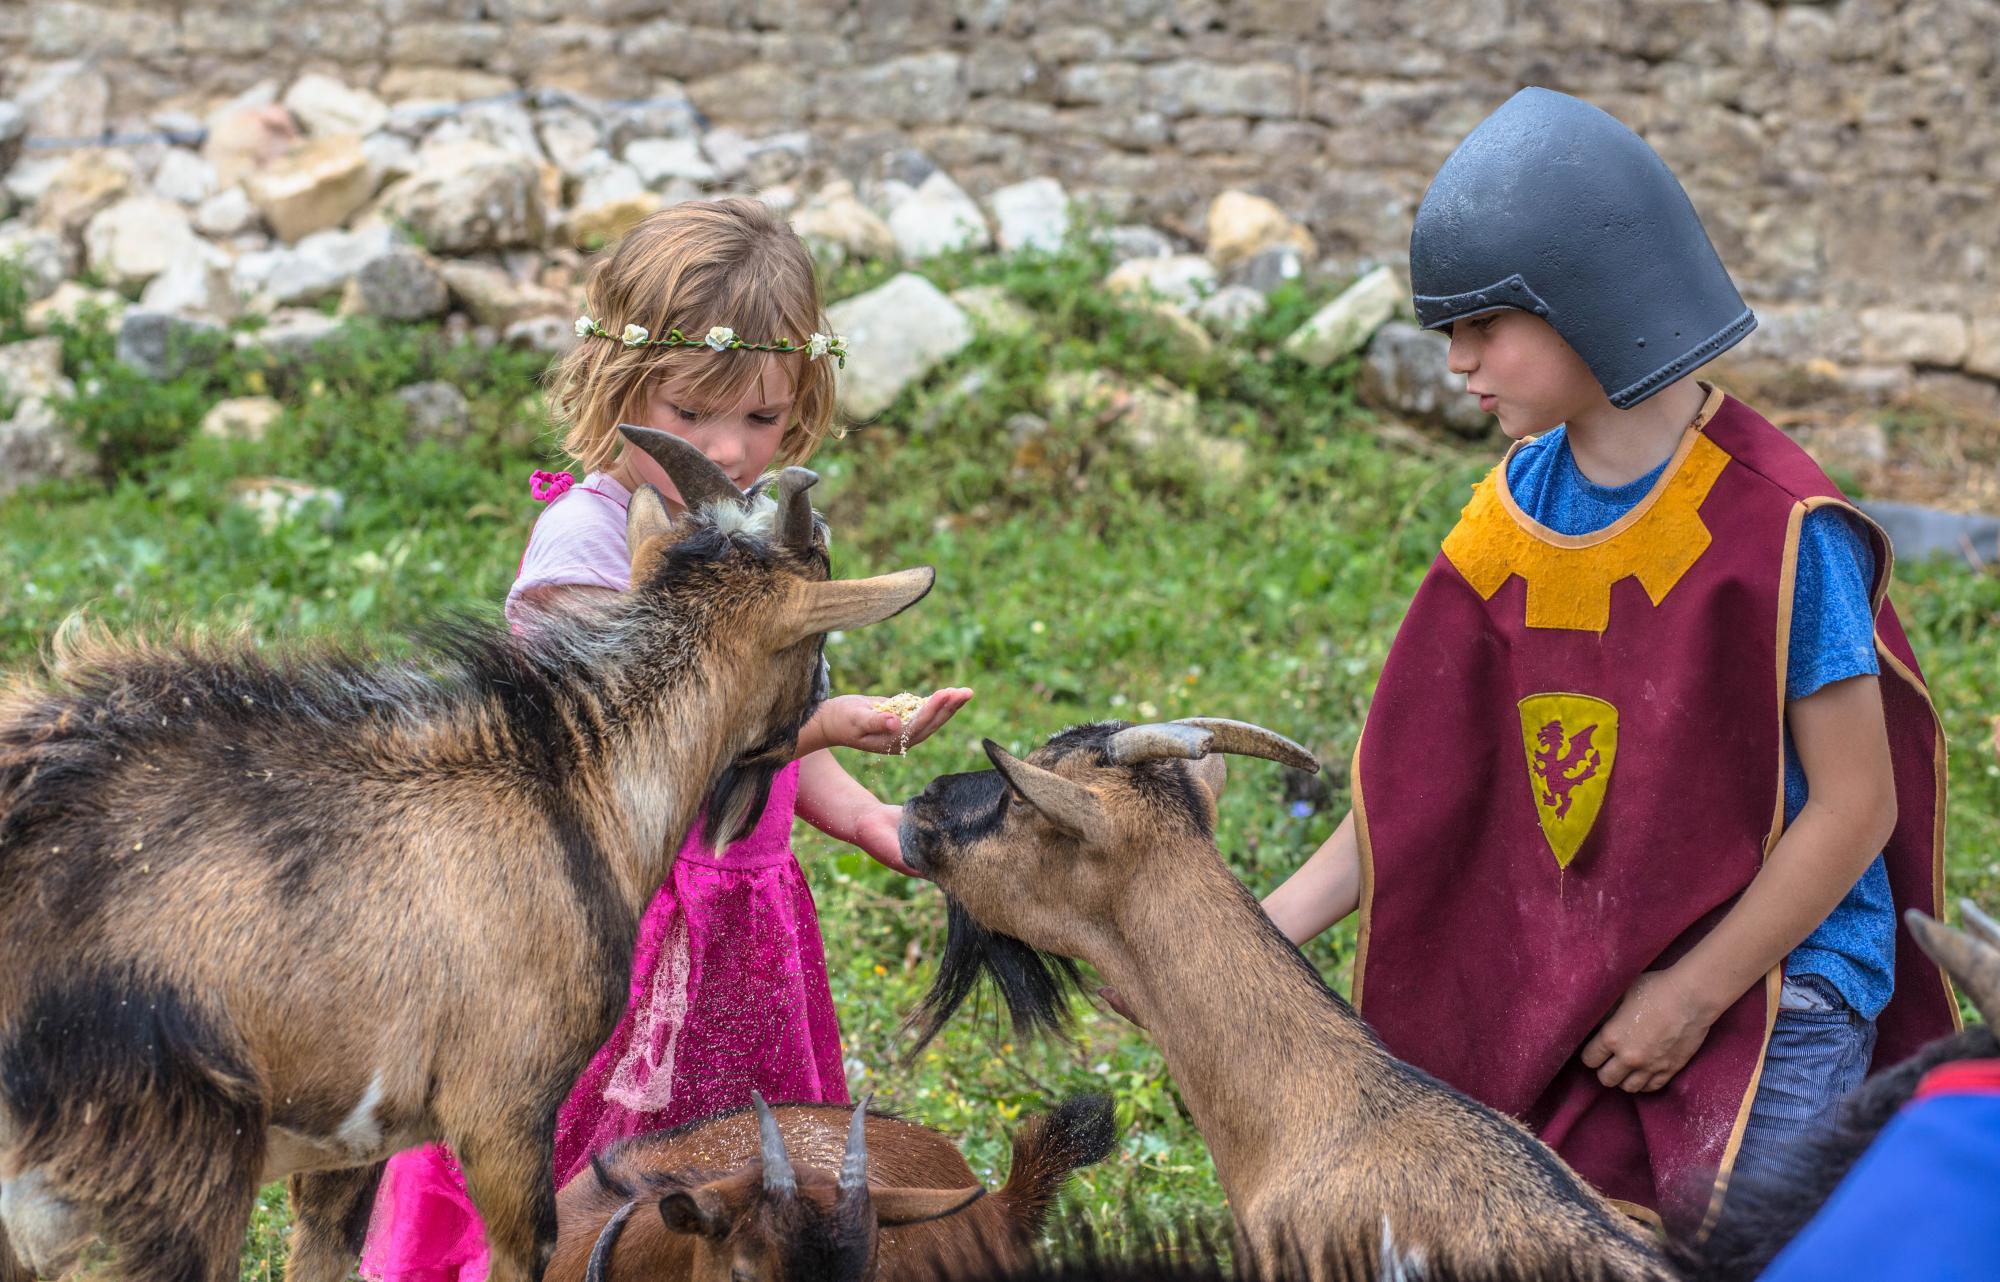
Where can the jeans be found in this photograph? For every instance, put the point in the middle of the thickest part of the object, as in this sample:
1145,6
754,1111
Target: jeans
1820,1048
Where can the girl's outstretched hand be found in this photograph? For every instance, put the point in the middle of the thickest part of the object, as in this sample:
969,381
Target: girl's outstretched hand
851,721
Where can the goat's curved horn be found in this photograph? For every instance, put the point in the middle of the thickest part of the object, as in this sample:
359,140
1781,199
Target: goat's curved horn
1156,740
795,512
1970,956
1242,739
693,473
854,1164
778,1178
1068,805
1192,738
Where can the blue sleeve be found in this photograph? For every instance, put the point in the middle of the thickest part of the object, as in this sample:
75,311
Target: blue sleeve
1833,622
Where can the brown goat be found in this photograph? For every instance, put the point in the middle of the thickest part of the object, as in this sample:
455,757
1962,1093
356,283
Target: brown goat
749,1195
269,918
1101,847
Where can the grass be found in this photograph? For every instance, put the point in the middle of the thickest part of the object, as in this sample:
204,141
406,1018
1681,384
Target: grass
1078,580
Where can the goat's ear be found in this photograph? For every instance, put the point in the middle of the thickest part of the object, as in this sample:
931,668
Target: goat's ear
1063,802
840,604
895,1208
701,1211
1211,773
646,523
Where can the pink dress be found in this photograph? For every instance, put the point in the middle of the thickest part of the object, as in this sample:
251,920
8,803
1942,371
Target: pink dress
729,987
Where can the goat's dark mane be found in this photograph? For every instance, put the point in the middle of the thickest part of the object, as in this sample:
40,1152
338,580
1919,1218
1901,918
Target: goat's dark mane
1035,986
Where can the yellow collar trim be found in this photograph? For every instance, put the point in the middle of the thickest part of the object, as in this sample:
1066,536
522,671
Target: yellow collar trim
1569,577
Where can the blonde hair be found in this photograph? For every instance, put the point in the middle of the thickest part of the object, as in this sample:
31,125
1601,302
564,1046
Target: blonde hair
691,267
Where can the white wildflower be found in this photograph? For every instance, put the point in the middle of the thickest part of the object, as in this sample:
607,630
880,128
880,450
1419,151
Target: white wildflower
584,325
819,346
634,335
720,338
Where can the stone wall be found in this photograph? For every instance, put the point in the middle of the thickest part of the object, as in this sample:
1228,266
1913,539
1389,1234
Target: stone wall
1846,156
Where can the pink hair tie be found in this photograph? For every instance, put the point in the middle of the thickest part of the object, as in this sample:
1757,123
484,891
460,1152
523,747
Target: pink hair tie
547,487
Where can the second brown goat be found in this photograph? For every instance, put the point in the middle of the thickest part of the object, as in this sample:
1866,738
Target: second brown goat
813,1193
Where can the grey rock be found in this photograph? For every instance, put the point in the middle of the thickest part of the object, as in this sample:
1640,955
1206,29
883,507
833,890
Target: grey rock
1345,324
937,218
163,345
1267,269
290,336
403,284
905,165
34,444
657,160
1031,215
1231,309
896,333
226,213
390,156
437,411
1918,533
184,176
1179,279
549,335
1131,240
569,134
661,116
136,239
1404,374
196,284
43,257
325,106
469,197
316,268
496,299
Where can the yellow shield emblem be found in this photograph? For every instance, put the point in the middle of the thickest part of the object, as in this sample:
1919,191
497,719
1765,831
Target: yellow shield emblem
1572,740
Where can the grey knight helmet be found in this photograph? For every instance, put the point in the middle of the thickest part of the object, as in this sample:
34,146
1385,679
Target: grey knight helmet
1553,207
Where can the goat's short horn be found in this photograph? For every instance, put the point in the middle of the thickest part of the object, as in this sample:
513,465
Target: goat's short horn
693,473
778,1178
1970,956
1192,738
854,1164
795,513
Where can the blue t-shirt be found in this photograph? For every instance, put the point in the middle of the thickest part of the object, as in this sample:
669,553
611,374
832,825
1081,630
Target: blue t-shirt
1833,638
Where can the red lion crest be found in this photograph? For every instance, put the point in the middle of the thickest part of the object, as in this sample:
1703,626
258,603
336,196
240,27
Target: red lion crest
1562,768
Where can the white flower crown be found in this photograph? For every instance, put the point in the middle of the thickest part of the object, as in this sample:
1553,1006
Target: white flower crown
720,339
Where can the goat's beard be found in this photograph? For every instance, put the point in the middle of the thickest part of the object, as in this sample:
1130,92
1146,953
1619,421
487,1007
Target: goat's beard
737,800
1035,986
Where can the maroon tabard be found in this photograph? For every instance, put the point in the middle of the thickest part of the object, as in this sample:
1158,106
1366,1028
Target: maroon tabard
1572,767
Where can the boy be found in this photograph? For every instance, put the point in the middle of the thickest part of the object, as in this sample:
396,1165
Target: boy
1650,767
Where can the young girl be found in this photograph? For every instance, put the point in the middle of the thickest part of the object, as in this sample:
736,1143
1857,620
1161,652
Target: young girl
729,985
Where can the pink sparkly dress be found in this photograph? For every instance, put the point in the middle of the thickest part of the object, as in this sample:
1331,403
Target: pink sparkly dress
729,986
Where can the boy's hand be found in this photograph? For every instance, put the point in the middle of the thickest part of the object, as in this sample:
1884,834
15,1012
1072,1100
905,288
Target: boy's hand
850,721
876,832
1655,1031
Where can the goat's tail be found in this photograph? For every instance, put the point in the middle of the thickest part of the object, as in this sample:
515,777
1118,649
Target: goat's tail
1046,1149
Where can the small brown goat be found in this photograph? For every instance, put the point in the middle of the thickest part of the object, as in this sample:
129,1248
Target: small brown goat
748,1196
1101,847
284,918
